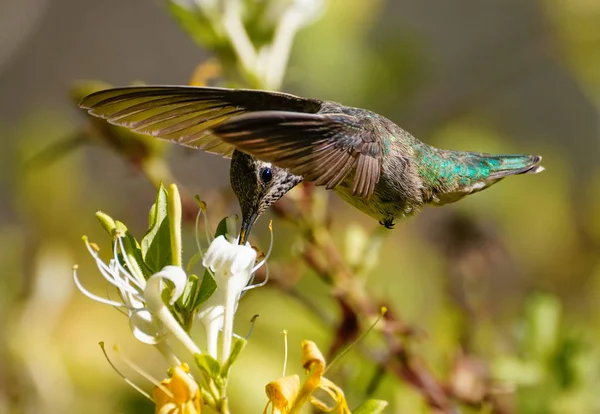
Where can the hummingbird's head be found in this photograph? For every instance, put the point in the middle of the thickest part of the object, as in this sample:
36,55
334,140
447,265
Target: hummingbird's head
257,185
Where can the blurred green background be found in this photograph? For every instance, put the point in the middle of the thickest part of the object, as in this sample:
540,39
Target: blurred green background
506,281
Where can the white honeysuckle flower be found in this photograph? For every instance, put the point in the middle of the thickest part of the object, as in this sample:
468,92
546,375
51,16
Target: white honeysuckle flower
150,318
156,305
140,299
309,10
273,58
233,267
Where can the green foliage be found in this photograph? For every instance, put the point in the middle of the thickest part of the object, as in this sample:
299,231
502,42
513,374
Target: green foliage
553,361
207,288
237,347
156,243
217,375
197,24
154,251
208,365
371,407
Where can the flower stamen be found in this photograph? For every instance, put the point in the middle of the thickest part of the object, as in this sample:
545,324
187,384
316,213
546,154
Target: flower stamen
129,274
90,295
264,260
285,351
107,271
196,232
252,323
127,380
257,285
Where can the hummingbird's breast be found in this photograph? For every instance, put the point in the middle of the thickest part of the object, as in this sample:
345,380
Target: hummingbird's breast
398,193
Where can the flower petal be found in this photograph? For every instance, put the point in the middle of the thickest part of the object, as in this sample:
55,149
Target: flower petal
229,257
176,275
312,357
283,392
146,327
336,394
178,394
155,304
216,254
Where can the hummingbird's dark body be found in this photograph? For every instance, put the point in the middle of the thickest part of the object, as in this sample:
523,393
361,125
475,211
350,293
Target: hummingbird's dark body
368,160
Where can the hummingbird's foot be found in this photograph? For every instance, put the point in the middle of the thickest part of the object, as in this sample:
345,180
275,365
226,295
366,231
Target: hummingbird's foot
388,223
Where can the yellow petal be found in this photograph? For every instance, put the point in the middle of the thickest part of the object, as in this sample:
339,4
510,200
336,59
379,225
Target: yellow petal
179,394
312,357
287,397
283,392
336,394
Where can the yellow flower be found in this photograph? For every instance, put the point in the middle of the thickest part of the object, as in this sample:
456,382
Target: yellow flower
286,396
179,394
282,393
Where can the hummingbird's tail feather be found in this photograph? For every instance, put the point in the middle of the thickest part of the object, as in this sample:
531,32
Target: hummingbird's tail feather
457,174
505,165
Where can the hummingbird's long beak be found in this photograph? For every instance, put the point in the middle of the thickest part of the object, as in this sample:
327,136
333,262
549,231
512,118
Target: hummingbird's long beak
247,224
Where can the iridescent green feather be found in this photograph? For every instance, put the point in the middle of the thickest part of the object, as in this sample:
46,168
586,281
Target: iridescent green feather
455,171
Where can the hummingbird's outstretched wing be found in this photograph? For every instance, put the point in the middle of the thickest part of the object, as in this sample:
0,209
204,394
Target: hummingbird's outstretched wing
323,148
186,114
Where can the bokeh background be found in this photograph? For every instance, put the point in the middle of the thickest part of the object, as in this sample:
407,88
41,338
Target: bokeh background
503,285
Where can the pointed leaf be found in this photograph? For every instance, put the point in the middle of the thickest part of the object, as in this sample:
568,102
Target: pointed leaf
184,307
237,346
206,290
152,213
371,407
192,262
188,296
208,364
221,228
157,212
156,243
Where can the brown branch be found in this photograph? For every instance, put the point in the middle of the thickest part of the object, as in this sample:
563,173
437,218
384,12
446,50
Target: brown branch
323,257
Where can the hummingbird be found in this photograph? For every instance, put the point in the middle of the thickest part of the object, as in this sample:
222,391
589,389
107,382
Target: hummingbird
276,140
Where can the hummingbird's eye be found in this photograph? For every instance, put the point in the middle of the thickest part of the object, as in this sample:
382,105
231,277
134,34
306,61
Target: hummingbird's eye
266,175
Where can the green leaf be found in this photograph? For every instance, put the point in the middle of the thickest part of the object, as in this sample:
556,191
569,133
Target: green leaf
221,228
237,346
188,296
156,243
207,288
371,407
208,364
192,262
208,285
543,326
185,304
260,21
197,25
